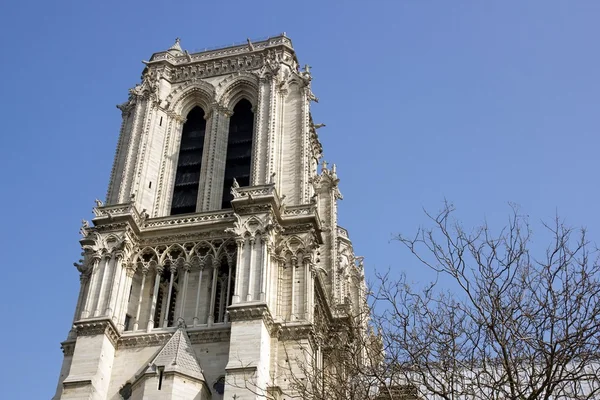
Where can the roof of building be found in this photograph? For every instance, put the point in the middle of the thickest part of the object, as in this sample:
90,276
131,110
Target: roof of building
177,355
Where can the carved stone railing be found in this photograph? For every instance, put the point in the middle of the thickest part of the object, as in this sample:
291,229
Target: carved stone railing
191,219
253,191
221,52
116,210
304,209
342,232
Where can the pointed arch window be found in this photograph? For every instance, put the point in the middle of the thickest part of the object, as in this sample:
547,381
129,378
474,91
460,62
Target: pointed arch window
189,162
239,149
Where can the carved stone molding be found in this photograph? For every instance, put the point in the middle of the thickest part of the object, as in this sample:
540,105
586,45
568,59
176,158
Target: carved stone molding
221,334
198,336
295,332
98,327
298,228
254,209
249,312
68,347
144,340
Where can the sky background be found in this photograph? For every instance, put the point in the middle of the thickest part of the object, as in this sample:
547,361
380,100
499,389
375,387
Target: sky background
478,102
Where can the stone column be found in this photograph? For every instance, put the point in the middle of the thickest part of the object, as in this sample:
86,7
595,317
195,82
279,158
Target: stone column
89,301
307,286
183,297
136,324
159,270
115,285
172,270
239,271
279,296
198,292
213,293
216,175
293,301
83,280
264,267
229,264
106,261
251,278
127,272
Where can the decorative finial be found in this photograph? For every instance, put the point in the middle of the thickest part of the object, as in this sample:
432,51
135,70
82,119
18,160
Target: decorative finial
177,45
307,68
324,165
99,203
235,184
250,45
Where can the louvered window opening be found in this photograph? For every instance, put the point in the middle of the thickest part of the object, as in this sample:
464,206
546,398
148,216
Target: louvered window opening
189,162
239,149
224,291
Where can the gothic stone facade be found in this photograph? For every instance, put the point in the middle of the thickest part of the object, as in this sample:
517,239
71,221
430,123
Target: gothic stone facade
217,249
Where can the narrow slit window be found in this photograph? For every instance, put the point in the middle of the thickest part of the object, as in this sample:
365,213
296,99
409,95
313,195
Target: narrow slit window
161,371
189,162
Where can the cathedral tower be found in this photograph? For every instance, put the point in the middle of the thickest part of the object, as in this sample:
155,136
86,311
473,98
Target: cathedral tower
217,248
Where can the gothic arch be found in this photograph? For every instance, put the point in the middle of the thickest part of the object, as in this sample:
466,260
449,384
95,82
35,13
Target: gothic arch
202,251
189,95
242,85
293,245
147,256
170,254
224,251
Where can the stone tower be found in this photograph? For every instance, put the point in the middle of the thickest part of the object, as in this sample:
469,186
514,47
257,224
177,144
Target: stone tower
217,248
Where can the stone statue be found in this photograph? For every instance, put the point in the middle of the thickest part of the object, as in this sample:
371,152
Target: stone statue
99,203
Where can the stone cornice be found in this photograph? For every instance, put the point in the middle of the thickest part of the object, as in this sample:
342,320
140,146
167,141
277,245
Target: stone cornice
295,331
178,58
91,327
197,336
252,311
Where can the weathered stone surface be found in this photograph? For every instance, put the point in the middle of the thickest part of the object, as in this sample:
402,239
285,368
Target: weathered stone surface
186,306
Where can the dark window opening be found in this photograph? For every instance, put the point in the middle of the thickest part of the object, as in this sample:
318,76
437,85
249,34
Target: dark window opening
161,371
126,391
160,123
219,385
158,311
161,298
187,177
239,149
127,322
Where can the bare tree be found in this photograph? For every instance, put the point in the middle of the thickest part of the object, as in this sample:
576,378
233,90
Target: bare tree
498,324
340,358
509,325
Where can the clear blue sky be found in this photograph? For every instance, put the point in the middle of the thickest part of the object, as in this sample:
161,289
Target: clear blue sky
479,102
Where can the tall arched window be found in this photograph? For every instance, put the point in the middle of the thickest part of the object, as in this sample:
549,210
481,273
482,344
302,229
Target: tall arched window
239,149
187,178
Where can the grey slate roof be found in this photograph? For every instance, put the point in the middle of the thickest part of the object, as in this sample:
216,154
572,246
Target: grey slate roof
177,355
